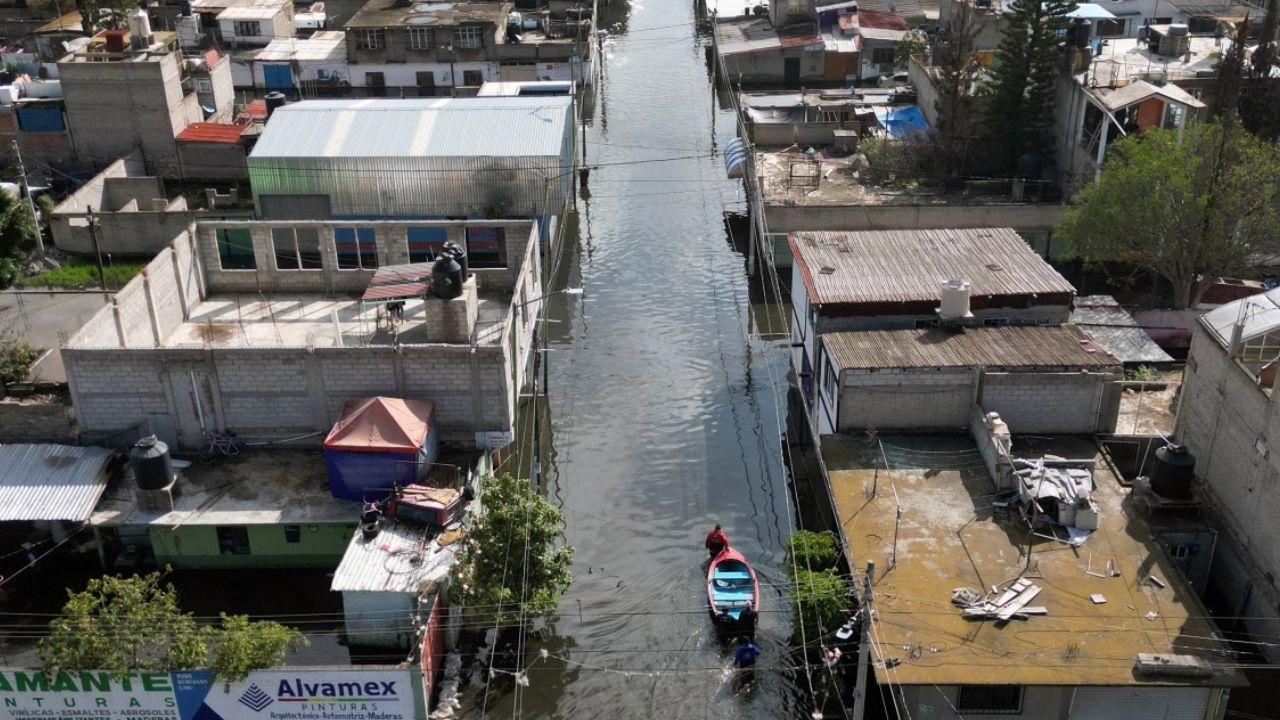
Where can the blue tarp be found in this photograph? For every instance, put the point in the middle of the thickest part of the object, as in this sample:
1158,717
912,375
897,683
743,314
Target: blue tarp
370,476
901,123
40,119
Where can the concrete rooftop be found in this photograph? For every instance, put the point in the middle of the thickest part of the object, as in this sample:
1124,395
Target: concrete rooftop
948,537
1127,58
289,320
259,487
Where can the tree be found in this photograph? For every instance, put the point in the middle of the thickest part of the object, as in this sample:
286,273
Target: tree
956,75
812,550
513,564
125,624
1020,106
17,227
913,43
820,603
1190,208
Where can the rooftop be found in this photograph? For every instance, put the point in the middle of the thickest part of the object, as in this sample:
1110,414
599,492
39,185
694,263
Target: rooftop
947,536
1126,59
393,13
278,320
52,482
1140,91
757,34
251,12
324,45
1113,328
402,557
225,133
878,266
261,487
412,127
216,6
994,348
1259,314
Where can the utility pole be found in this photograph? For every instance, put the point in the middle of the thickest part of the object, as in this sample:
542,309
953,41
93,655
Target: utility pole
97,251
860,689
31,206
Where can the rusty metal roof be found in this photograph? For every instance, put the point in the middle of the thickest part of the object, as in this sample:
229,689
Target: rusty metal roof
878,266
211,132
991,347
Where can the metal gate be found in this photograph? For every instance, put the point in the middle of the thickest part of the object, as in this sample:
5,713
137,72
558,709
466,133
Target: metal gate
278,77
1140,703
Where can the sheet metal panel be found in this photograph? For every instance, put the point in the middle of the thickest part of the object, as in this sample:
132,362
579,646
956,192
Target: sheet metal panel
992,347
51,482
386,563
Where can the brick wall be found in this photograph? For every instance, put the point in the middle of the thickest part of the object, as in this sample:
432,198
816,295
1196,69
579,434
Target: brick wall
896,399
1056,403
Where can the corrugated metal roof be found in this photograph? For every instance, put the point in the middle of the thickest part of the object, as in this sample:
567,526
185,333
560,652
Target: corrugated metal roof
250,13
992,347
1260,315
211,132
1112,327
399,128
759,35
324,45
51,482
878,266
400,558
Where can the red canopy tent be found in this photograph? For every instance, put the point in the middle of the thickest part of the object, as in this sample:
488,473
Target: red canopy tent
378,443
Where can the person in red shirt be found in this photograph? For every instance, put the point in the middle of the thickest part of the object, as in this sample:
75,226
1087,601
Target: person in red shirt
716,541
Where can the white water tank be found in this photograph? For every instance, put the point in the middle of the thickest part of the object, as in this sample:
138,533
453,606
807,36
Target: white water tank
139,28
189,34
955,300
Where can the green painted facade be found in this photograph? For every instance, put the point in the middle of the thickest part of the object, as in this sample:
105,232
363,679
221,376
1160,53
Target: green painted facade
198,547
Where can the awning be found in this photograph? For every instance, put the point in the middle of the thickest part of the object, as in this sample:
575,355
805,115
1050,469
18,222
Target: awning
398,282
1090,11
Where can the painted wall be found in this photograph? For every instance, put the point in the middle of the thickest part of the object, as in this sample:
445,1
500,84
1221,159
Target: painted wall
195,547
378,619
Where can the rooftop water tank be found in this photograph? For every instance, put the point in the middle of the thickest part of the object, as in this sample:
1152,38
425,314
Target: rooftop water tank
152,467
274,100
139,28
460,255
955,300
446,277
1173,473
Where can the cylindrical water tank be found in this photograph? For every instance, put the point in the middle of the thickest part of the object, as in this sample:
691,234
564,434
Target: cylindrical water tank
955,299
152,467
446,277
1083,32
274,100
460,256
1174,472
139,28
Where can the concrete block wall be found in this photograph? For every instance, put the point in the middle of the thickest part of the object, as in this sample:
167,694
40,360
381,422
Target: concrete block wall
1051,403
895,399
1232,426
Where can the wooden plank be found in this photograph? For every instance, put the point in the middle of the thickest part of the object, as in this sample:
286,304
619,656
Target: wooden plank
1034,610
1018,603
1013,592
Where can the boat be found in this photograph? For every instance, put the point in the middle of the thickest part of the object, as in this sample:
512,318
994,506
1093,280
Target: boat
733,592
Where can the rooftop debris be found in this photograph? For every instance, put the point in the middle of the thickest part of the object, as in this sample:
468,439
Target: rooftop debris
1010,604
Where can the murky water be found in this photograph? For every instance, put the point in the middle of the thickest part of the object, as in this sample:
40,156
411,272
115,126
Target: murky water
664,412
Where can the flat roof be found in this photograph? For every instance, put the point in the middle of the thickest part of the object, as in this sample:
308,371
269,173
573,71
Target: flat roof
417,127
51,482
879,266
250,12
1112,327
1123,59
324,45
947,536
393,13
1010,346
308,320
259,487
402,557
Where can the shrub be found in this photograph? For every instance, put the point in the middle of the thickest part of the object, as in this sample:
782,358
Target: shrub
808,550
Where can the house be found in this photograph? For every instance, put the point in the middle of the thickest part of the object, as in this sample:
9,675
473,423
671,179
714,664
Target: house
755,51
886,280
124,93
36,120
267,329
255,22
311,67
1042,379
132,213
432,161
215,151
984,602
1227,419
879,34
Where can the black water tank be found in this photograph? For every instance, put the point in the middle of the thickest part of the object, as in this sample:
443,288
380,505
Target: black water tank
460,256
446,277
152,467
275,99
1083,31
1173,473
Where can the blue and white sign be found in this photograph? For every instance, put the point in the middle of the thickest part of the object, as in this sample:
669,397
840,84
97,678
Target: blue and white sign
313,694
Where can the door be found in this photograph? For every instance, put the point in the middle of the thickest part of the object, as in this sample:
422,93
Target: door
1140,703
278,77
375,84
426,84
192,392
791,71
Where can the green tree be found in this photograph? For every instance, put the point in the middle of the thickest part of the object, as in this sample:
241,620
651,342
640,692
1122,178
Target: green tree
913,43
16,356
808,550
513,562
1189,206
126,624
17,227
956,75
820,603
1020,107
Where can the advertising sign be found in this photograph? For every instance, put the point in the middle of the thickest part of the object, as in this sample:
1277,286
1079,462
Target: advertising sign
301,694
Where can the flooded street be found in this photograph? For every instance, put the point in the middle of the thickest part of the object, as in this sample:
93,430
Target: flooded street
664,410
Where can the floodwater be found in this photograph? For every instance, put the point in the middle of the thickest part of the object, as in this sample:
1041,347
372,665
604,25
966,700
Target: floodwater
664,410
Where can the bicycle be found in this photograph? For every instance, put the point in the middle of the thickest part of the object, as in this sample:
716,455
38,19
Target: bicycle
219,445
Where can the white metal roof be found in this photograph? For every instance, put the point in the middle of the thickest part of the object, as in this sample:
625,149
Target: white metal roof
400,558
326,45
51,482
250,13
426,127
1260,314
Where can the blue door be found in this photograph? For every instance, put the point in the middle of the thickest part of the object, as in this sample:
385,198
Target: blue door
278,77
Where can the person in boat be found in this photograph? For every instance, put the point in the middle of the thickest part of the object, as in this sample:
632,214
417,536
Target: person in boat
746,654
717,541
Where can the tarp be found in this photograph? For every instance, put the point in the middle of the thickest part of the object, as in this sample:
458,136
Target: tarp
903,122
382,424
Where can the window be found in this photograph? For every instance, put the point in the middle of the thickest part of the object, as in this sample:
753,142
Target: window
1163,21
486,247
375,84
996,322
990,699
235,249
426,84
1179,552
371,39
468,38
293,533
472,78
233,539
296,248
829,381
882,56
1202,24
246,28
425,243
357,248
1108,28
419,38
